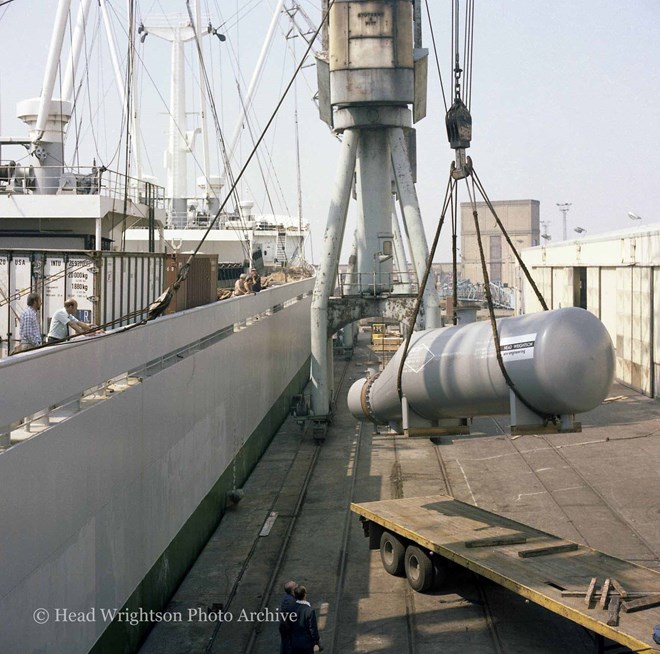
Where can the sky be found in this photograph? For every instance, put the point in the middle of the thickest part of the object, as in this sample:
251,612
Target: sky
565,99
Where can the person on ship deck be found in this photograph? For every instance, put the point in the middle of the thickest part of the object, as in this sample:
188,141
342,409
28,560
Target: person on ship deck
65,318
240,287
256,280
29,324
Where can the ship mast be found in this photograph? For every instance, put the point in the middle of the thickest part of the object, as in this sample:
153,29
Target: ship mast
177,34
46,118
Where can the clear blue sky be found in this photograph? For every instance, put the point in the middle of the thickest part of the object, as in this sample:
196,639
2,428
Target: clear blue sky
565,101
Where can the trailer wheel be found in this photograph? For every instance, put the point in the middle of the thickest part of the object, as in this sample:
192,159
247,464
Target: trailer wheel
392,553
419,569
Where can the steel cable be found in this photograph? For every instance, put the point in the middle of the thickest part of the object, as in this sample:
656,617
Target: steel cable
491,313
451,187
528,276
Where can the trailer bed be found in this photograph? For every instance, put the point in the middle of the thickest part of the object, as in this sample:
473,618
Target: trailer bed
560,575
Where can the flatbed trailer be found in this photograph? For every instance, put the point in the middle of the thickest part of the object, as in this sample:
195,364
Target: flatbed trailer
611,597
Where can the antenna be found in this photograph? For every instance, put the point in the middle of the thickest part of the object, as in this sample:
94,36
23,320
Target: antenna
564,207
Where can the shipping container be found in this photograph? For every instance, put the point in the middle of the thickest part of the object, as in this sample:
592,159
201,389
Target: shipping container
201,284
112,288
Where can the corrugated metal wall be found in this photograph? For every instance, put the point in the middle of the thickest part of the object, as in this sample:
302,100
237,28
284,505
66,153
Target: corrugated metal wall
623,340
642,315
634,311
655,325
543,279
608,298
562,288
593,291
625,299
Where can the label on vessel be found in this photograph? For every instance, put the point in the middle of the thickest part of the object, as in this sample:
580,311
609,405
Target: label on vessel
517,348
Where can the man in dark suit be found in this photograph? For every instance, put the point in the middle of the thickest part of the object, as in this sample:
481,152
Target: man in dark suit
304,632
287,616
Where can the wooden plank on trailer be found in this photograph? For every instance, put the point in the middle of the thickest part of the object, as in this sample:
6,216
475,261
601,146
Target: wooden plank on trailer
619,588
590,591
496,541
603,594
612,593
642,603
551,549
613,614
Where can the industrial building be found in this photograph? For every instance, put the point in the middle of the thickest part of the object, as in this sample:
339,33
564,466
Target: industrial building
615,276
521,221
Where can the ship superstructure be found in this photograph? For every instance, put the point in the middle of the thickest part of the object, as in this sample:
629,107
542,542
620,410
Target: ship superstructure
63,227
120,451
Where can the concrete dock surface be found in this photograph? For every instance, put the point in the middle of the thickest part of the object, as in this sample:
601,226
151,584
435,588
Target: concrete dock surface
600,487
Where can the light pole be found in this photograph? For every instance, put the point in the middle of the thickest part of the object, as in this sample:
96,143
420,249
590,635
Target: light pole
545,235
564,207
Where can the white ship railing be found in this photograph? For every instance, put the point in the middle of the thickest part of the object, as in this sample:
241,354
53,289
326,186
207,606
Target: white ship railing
46,384
83,180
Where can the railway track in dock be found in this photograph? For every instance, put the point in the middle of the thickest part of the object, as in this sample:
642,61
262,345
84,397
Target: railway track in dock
404,621
272,591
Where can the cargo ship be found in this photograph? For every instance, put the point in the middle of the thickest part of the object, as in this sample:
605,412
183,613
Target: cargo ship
121,449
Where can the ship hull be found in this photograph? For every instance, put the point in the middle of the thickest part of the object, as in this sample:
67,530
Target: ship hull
108,508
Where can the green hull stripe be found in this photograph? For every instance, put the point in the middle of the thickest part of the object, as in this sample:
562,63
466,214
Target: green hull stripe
160,583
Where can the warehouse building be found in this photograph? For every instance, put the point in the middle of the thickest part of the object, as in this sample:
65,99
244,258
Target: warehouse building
616,276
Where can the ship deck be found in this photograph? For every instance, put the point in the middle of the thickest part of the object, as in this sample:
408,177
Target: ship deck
599,488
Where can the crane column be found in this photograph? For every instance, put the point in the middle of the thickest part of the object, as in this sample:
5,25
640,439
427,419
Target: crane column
368,80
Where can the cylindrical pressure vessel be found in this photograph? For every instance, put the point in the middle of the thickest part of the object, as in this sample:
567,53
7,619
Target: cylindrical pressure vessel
561,362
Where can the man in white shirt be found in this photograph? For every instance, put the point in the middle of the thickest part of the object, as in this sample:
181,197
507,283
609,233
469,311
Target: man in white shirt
63,319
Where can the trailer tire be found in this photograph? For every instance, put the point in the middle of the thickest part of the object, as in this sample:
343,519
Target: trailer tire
419,569
392,553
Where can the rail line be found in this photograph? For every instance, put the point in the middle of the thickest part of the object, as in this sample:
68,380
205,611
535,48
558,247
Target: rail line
341,578
268,591
248,559
566,462
396,491
588,485
408,594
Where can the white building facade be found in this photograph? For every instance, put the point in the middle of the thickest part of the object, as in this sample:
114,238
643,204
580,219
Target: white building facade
616,276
